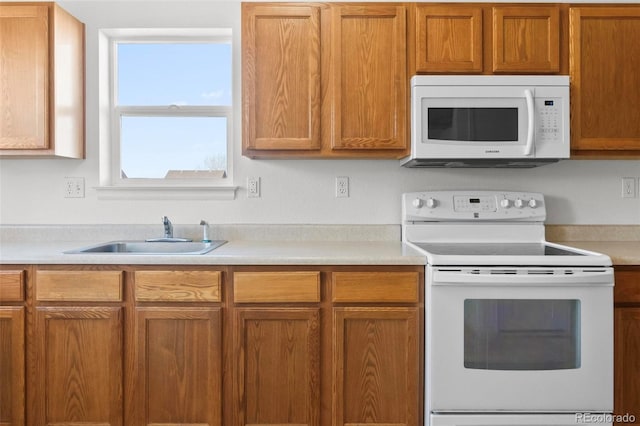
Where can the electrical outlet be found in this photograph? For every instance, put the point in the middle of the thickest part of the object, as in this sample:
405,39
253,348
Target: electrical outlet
628,187
342,187
73,187
253,187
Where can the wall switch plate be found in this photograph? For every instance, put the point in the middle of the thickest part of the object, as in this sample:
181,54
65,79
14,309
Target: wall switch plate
73,187
628,187
342,187
253,187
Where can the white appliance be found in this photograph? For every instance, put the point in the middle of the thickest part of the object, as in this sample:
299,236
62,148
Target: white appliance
488,121
519,331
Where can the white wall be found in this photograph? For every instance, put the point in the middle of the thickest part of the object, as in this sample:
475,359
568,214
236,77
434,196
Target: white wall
293,191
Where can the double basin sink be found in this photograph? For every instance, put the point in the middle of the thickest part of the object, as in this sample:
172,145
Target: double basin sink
150,247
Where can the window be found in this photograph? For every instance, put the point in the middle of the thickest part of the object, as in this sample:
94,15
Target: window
170,108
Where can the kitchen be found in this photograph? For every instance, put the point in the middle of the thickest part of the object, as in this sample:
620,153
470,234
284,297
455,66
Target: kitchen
297,197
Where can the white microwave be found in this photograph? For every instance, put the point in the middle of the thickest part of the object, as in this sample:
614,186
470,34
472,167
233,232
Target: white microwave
488,121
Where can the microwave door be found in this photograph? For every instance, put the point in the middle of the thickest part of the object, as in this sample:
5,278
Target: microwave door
478,125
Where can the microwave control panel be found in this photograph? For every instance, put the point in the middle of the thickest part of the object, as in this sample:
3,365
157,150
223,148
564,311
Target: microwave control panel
443,206
548,119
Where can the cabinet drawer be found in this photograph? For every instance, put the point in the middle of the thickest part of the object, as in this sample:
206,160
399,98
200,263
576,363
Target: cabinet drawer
627,287
177,286
375,287
269,287
11,286
86,286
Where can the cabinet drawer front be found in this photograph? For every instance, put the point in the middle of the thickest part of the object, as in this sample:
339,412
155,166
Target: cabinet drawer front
269,287
86,286
177,286
375,287
11,286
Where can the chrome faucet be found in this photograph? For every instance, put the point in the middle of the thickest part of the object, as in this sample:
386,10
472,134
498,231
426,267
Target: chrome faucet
168,227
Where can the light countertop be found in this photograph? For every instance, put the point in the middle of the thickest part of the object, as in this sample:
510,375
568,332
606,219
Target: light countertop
242,252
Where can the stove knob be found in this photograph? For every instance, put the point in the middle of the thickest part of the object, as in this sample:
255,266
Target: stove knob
417,203
518,203
533,203
431,202
505,203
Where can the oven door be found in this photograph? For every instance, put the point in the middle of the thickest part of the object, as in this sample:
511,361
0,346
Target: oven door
520,339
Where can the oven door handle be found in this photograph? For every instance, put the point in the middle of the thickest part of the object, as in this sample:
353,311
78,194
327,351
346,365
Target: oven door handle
528,96
472,277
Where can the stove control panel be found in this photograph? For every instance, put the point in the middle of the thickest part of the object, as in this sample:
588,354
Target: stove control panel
446,206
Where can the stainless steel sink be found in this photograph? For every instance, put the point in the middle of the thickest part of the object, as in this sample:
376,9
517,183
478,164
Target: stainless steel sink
148,247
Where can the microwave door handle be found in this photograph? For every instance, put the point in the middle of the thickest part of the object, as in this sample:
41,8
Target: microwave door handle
528,95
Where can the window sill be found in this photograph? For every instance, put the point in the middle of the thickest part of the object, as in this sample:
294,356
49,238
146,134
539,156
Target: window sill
165,192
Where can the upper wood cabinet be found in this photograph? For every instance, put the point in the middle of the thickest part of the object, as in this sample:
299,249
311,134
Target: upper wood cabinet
605,88
486,39
280,77
526,39
368,80
41,81
324,80
448,38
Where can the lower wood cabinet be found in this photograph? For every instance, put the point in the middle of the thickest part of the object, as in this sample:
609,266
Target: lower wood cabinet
177,367
376,366
277,356
12,346
78,364
194,346
627,342
12,356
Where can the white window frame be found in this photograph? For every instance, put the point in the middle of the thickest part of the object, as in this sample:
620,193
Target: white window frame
112,183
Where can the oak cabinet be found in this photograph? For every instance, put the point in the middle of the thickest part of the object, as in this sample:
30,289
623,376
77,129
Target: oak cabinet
176,357
376,359
200,345
41,81
484,39
177,363
12,349
78,348
277,367
448,38
627,341
281,77
324,80
605,88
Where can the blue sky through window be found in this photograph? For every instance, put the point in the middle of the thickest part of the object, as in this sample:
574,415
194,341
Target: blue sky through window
165,74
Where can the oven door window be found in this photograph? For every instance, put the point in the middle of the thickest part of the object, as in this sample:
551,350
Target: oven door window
518,334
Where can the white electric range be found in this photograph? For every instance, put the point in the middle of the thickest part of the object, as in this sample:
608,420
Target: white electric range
519,330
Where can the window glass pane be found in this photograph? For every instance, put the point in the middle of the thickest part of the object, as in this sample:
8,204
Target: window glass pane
514,334
174,73
173,147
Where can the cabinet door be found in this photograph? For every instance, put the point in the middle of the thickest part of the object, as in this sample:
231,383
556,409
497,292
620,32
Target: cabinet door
281,77
627,361
605,88
376,366
277,379
526,39
12,355
448,39
24,78
78,366
368,81
177,367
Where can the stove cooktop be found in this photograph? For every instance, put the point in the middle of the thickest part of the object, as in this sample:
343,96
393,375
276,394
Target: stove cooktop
495,249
